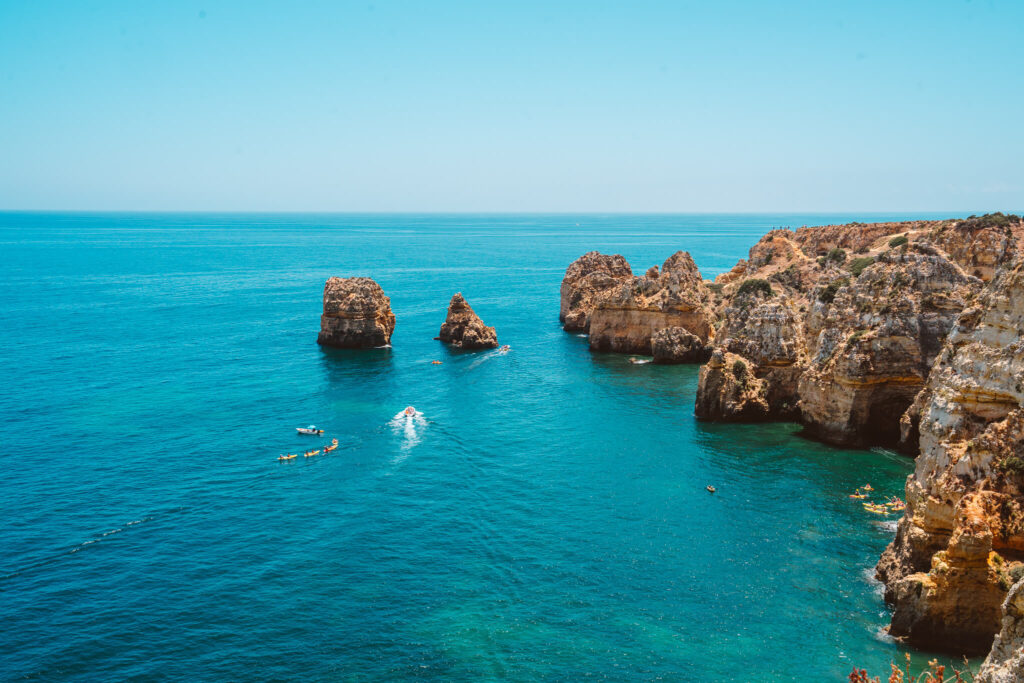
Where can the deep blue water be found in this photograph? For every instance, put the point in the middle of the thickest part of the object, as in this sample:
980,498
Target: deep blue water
547,520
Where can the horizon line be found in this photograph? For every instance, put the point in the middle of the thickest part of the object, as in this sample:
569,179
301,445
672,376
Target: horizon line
957,212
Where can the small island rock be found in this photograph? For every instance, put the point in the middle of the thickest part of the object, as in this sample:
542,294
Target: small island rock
463,328
357,314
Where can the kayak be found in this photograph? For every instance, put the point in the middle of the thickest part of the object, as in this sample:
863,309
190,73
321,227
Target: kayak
288,457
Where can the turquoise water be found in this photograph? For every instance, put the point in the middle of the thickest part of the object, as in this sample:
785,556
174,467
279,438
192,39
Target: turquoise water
545,520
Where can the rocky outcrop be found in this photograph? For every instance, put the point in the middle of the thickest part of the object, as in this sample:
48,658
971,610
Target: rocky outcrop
626,318
676,345
872,341
586,280
463,328
1005,662
356,314
760,325
856,316
962,535
730,391
980,244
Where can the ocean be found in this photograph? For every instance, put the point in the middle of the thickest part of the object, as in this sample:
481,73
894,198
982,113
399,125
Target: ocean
544,519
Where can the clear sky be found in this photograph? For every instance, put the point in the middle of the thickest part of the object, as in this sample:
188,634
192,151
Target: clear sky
512,106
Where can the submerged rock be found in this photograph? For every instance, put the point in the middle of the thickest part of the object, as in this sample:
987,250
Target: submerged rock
356,314
626,318
586,280
463,328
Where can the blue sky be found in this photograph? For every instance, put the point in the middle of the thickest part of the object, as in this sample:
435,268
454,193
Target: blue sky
512,106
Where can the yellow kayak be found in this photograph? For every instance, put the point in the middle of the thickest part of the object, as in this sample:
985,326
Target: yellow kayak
288,457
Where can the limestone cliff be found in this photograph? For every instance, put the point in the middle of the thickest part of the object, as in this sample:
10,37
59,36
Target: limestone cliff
1005,663
462,327
586,280
627,317
356,314
872,340
731,391
856,316
962,534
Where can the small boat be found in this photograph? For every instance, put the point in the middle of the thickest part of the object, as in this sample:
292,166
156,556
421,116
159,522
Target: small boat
867,487
505,349
858,495
310,454
311,429
288,457
328,449
709,488
410,411
435,362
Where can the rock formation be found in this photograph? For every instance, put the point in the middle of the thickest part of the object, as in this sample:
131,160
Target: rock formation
587,279
873,339
676,345
730,390
962,535
842,323
627,317
463,328
1005,663
356,314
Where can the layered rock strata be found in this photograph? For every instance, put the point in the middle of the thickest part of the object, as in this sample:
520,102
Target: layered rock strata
463,327
962,536
626,318
356,314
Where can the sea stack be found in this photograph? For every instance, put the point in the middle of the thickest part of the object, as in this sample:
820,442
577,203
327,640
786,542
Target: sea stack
586,280
464,328
357,314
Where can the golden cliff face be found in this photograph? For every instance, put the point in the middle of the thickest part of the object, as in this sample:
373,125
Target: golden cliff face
962,536
626,318
856,317
873,341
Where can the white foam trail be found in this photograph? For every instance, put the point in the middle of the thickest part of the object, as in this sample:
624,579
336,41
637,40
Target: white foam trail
132,523
409,426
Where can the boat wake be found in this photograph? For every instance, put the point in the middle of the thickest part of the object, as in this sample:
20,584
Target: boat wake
409,427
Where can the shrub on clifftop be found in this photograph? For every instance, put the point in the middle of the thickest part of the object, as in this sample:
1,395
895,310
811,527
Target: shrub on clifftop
857,265
836,255
755,286
898,241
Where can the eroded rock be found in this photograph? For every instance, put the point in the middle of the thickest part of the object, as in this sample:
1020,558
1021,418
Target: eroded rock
627,317
586,280
463,327
356,314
